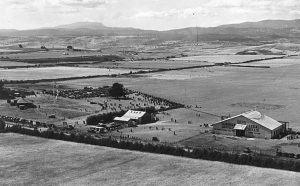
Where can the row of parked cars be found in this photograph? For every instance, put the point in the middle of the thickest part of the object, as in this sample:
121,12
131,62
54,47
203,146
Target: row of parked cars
26,122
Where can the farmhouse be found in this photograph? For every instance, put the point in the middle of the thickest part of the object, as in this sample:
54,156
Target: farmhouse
250,124
132,117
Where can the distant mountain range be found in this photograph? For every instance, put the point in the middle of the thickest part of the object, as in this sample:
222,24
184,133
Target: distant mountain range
83,25
247,31
272,24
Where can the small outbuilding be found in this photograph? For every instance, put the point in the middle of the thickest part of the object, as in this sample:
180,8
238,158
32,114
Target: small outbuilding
24,104
96,129
132,117
250,124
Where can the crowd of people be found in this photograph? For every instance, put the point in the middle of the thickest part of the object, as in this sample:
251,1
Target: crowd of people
86,92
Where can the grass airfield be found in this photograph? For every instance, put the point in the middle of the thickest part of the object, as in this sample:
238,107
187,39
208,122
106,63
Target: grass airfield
222,90
218,90
26,160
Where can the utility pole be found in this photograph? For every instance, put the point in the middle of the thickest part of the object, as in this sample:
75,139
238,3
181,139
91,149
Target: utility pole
197,34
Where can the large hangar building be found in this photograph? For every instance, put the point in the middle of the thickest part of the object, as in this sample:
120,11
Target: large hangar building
251,124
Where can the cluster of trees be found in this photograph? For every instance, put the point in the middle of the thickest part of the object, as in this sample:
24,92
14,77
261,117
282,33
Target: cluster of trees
103,118
117,90
207,154
287,155
5,93
2,125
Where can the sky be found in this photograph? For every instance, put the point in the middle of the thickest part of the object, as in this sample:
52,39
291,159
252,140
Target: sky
144,14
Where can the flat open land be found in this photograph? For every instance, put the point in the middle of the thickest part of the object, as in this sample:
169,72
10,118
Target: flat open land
26,160
222,90
210,92
224,58
55,72
45,54
149,64
277,62
4,64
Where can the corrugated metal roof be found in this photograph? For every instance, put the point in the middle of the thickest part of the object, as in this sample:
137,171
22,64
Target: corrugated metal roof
263,120
132,114
258,118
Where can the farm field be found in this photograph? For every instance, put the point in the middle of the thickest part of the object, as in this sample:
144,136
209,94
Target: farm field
52,53
277,62
213,90
56,72
153,64
36,161
8,50
221,90
4,64
197,73
224,58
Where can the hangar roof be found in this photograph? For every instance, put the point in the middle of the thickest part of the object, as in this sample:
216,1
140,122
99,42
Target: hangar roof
132,114
258,118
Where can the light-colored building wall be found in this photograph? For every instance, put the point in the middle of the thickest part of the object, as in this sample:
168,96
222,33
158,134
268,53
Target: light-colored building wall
256,130
252,130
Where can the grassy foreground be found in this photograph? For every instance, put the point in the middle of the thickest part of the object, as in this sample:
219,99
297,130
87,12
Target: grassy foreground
26,160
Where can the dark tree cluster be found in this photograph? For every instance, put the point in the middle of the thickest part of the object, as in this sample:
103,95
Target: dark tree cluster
117,90
103,118
2,125
5,93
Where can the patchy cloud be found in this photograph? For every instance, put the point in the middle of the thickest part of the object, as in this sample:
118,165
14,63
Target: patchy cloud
84,3
146,14
183,13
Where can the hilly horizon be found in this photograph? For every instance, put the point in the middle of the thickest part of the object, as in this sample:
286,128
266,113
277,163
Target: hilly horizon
265,29
76,25
269,23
